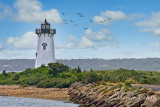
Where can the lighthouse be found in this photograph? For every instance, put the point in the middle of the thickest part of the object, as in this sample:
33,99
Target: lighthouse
45,47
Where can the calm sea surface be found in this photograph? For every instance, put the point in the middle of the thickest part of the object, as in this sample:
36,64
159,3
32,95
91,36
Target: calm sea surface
32,102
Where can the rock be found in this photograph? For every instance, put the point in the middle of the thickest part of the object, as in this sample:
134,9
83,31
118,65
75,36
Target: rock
152,101
157,93
118,89
135,101
144,90
150,92
117,94
109,93
112,96
143,105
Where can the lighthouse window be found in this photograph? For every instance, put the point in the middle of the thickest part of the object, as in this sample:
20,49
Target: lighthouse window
44,46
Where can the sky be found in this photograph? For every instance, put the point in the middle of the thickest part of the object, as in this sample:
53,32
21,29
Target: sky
114,28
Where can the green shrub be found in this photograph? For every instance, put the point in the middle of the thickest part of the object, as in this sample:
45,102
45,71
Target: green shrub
56,82
120,85
46,83
144,81
128,84
61,76
91,77
16,77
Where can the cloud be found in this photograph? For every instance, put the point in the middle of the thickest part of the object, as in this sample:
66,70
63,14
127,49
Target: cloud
152,31
16,54
153,21
114,15
26,41
134,16
72,38
85,43
6,11
126,52
150,25
31,11
90,39
156,46
96,36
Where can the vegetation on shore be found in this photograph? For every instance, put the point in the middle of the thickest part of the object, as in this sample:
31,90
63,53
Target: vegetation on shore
62,76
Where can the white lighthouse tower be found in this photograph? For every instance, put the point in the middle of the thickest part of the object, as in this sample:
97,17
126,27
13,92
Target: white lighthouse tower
45,47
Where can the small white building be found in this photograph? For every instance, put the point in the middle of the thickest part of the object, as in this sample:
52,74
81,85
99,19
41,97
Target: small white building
45,47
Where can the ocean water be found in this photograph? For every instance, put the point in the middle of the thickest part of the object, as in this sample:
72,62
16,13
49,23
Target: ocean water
32,102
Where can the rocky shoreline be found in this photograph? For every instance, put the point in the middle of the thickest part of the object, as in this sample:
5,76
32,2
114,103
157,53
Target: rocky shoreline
94,95
33,92
113,95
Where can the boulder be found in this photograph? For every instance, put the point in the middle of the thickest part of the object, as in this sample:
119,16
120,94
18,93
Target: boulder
135,101
157,93
150,92
144,90
151,101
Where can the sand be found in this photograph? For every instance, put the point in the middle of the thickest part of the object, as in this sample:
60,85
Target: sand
33,92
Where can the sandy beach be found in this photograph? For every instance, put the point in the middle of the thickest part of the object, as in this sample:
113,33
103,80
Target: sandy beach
33,92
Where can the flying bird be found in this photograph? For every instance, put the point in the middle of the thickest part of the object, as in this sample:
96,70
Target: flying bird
81,16
91,21
101,21
64,20
105,19
63,14
109,18
75,24
71,20
85,28
78,13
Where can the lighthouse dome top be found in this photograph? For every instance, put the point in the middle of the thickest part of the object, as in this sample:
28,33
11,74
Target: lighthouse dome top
45,22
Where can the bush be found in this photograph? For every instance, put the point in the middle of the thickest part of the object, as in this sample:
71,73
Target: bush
127,84
63,83
56,82
55,68
16,77
144,81
91,77
31,81
46,83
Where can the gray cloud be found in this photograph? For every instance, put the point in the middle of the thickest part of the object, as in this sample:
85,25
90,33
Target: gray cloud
90,39
150,25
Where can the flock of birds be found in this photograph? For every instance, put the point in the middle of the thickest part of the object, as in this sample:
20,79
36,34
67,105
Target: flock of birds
81,15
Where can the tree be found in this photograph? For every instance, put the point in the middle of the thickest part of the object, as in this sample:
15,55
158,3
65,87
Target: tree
91,69
79,70
55,68
4,73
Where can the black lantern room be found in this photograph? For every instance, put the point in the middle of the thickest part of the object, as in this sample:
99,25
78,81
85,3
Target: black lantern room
45,28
